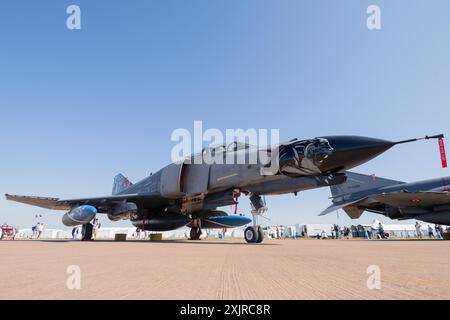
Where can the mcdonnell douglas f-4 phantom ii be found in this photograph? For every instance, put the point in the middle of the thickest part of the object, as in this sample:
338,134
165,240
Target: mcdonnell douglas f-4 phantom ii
188,194
427,200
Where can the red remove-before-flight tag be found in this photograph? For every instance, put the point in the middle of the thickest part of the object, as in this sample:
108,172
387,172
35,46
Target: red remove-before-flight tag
442,151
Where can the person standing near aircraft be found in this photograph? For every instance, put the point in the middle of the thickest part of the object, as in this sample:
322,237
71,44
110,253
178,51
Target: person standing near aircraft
40,229
430,232
441,230
381,230
418,230
96,226
438,228
346,232
366,234
74,233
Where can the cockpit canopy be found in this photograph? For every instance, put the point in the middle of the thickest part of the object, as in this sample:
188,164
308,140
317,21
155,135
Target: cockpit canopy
231,147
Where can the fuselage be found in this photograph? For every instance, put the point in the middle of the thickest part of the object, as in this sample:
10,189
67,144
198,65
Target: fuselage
195,187
438,212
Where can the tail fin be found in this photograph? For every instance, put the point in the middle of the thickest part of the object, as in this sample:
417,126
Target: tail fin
121,183
356,183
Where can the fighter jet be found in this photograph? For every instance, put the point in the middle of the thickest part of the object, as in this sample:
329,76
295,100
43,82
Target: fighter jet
428,200
189,194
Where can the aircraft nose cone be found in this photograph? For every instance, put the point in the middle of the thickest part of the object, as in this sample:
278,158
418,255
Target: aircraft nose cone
352,151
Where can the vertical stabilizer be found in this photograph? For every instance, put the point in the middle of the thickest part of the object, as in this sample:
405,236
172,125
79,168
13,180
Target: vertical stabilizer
121,183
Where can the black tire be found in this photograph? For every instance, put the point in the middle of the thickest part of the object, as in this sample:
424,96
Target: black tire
86,232
251,235
260,235
199,233
195,233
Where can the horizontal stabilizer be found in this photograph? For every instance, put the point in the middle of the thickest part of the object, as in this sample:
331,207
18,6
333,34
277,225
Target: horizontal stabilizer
335,207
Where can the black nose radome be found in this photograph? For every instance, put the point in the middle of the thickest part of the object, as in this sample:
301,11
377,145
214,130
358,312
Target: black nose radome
352,151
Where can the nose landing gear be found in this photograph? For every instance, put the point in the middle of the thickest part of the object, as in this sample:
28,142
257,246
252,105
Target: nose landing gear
86,232
255,233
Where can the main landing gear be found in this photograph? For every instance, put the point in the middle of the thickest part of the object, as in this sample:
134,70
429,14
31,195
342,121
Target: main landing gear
195,233
86,232
254,234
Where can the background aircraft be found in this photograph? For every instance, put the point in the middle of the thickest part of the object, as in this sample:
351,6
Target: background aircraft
185,194
427,200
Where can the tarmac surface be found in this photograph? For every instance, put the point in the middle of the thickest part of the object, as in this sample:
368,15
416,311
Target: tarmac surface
276,269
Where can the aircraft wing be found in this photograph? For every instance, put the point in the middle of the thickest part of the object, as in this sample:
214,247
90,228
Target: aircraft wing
47,203
101,203
414,199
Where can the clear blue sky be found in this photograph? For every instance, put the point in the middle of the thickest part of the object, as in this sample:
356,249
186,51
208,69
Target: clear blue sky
77,107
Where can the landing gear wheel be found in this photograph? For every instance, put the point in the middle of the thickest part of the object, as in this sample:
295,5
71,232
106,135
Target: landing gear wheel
195,233
260,235
86,232
251,235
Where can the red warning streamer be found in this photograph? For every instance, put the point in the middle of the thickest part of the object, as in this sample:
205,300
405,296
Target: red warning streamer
442,151
237,195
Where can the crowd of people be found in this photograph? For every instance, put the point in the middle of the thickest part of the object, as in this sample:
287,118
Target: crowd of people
432,234
277,232
437,234
282,232
8,232
344,232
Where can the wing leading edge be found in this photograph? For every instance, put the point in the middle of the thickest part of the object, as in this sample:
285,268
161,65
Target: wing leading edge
101,203
47,203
